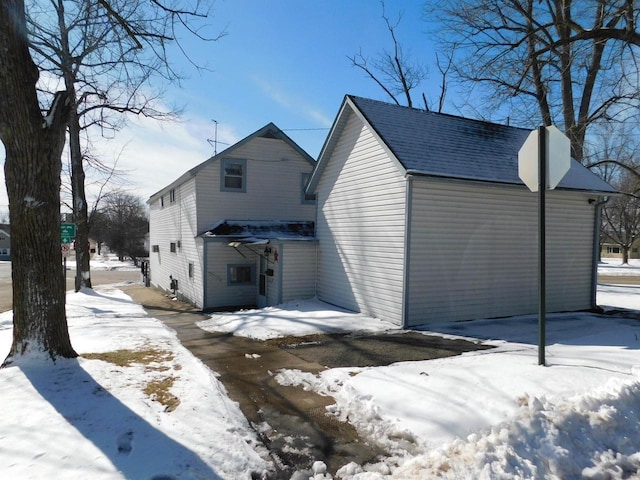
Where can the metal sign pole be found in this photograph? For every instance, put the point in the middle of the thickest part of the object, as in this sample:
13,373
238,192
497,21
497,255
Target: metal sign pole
542,187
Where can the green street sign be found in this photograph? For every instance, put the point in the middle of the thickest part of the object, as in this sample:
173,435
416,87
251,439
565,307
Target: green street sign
67,232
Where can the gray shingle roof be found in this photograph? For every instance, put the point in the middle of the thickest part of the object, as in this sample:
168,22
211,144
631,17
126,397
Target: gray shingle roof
436,144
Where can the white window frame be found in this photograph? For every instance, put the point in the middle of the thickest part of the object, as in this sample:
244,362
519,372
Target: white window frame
223,175
232,266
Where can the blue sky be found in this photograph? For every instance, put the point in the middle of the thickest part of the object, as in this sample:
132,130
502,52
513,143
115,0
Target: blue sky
286,61
283,61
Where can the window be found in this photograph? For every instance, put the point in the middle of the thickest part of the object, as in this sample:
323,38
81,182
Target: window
613,249
172,195
162,201
240,275
4,251
155,248
190,270
233,177
172,247
307,198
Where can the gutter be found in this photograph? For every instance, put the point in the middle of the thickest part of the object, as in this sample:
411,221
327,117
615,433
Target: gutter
596,250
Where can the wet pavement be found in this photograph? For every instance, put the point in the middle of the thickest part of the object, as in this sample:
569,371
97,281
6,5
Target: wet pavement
291,422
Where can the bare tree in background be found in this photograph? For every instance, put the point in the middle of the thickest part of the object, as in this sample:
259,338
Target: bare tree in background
393,70
572,63
34,141
122,223
107,54
621,214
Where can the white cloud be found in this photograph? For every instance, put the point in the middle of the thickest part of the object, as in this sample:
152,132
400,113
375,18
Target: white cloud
292,102
151,153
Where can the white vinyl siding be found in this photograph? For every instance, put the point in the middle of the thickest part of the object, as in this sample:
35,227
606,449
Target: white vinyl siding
272,190
298,270
175,223
473,251
219,293
182,211
360,226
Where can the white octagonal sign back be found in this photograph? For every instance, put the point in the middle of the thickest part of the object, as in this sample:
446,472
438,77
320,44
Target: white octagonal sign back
558,158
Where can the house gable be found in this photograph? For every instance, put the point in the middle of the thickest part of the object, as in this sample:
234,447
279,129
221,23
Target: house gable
360,195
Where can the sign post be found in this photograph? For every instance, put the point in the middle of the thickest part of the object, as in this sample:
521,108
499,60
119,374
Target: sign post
67,234
543,160
542,244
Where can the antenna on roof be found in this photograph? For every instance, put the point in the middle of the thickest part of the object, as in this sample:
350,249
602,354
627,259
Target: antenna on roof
214,142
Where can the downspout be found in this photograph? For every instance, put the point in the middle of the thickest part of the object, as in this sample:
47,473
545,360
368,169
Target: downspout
204,272
596,250
407,250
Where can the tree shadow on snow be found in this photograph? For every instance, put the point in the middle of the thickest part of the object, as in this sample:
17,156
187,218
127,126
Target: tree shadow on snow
136,448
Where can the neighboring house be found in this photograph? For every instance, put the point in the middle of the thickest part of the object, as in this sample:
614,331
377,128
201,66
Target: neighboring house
610,249
421,217
5,243
237,230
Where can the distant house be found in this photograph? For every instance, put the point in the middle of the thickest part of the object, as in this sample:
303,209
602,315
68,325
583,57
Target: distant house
610,249
5,243
421,217
238,229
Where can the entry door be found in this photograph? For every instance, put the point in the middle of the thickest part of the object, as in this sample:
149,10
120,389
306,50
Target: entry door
262,283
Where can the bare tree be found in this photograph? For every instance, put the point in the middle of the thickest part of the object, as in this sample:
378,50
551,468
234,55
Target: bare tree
122,223
621,215
107,54
33,142
393,70
565,62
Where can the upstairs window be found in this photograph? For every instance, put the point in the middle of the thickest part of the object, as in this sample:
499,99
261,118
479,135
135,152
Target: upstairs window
172,195
233,177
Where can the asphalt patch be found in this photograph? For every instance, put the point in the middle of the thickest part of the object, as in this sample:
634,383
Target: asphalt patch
373,350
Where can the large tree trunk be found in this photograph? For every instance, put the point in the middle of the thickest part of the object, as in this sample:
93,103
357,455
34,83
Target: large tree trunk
33,147
80,212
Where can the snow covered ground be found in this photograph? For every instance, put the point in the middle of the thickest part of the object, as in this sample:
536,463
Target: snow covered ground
614,266
154,412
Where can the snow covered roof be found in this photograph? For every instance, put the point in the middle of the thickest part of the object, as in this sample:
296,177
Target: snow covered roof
258,231
441,145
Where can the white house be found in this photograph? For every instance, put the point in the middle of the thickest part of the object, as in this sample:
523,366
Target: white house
421,217
5,243
238,229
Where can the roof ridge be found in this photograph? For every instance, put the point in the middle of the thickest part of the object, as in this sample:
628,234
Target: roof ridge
357,98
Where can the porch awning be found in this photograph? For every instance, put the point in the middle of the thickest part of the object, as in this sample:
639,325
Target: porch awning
248,241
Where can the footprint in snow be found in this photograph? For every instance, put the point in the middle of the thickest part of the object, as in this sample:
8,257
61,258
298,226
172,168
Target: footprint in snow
124,443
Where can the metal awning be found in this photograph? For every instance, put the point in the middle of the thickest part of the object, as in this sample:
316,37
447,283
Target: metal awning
248,241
